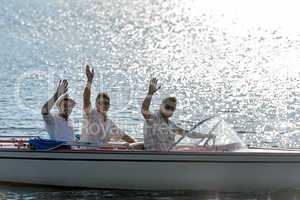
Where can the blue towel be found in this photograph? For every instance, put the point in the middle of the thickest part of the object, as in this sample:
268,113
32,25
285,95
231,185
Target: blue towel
45,144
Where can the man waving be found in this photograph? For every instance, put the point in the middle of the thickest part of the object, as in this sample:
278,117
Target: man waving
97,128
159,130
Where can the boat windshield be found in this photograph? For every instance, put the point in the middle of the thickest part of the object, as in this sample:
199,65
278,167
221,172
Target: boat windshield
225,136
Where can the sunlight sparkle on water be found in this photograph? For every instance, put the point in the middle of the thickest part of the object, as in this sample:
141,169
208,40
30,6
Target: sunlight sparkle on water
214,57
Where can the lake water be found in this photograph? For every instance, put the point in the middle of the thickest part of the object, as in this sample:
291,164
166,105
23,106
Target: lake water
20,192
212,62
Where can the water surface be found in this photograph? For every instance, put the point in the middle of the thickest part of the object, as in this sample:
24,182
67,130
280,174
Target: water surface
209,61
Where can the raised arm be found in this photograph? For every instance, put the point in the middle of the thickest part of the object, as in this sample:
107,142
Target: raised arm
147,101
61,89
87,89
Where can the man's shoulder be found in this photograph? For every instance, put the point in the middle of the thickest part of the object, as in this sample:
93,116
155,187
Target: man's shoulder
157,114
173,123
89,113
48,116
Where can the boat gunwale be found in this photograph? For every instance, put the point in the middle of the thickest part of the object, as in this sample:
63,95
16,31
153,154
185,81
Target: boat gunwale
152,161
141,152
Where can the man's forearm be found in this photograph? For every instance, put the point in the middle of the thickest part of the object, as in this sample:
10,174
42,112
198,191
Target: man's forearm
128,139
197,135
146,103
49,104
181,131
87,95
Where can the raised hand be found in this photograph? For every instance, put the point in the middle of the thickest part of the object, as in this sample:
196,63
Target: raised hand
89,73
62,87
153,86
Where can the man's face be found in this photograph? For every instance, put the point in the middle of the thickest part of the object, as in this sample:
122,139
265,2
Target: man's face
103,105
66,107
168,108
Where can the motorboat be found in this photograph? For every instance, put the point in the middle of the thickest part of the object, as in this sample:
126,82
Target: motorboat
225,164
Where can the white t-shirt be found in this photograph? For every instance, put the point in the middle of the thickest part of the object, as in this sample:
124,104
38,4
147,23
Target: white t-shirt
58,128
97,131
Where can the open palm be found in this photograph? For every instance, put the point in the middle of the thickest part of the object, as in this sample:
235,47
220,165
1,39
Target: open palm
62,87
89,73
153,86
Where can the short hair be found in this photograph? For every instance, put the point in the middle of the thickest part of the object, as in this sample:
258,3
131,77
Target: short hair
170,99
102,95
65,97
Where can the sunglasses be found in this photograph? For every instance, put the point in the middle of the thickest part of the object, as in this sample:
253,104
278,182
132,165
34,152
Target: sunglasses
168,107
68,104
105,103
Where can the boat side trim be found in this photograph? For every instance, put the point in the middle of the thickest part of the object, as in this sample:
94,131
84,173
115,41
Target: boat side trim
290,153
141,160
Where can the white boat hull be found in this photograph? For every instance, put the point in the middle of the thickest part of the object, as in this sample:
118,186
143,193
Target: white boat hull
152,170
